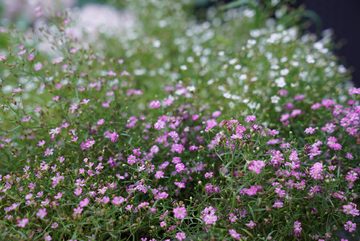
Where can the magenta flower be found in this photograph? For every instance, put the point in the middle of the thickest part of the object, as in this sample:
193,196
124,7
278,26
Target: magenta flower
22,222
251,225
28,196
180,236
58,196
350,209
118,200
37,66
48,152
159,174
84,203
179,212
310,130
297,228
234,234
350,226
42,213
316,171
47,238
251,191
78,191
30,57
278,204
250,118
155,104
78,210
256,166
74,50
179,167
132,160
112,185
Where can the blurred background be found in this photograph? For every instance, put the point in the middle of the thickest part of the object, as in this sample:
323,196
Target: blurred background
343,17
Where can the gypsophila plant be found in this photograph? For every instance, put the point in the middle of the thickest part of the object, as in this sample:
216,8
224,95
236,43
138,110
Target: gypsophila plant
236,128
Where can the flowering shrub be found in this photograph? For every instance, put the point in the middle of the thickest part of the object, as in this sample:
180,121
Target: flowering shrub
98,144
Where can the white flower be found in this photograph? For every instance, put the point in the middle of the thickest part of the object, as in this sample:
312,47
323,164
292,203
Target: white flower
341,69
237,67
275,99
284,71
280,82
232,61
190,59
283,59
183,67
252,105
157,43
310,59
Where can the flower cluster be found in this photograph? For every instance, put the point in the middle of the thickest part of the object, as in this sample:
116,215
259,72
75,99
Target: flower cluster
125,138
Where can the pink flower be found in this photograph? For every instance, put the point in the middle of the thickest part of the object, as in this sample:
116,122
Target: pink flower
180,236
28,196
297,228
111,73
179,212
350,209
233,218
234,234
251,225
42,213
47,238
354,91
84,203
125,73
155,104
250,118
112,185
310,130
22,222
350,226
78,210
278,204
132,160
160,125
78,191
73,50
210,124
73,108
256,166
179,167
162,224
209,174
37,66
316,170
282,92
159,174
118,200
216,114
58,196
48,152
331,142
100,122
251,191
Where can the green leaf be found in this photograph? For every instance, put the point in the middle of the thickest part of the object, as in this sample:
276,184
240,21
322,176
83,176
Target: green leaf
235,4
248,233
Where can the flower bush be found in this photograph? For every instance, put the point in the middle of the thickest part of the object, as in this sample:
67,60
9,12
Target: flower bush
234,128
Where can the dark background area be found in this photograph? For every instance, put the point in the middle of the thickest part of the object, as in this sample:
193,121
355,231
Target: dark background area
343,16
